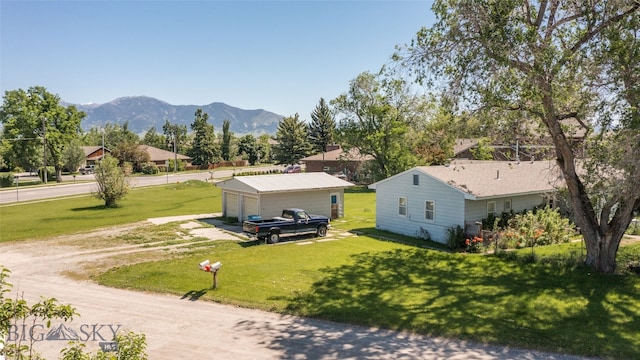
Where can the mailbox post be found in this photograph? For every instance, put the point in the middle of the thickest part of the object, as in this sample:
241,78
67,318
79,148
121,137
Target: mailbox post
213,269
16,179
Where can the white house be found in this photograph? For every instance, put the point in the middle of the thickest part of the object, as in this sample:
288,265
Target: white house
428,200
267,195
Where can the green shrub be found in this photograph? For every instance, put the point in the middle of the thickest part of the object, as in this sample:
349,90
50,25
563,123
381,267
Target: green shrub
455,238
6,180
542,227
149,168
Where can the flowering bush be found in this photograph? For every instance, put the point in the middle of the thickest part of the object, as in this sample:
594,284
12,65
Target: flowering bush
474,245
542,227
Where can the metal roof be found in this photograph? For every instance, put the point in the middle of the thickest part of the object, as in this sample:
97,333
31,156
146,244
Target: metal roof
283,182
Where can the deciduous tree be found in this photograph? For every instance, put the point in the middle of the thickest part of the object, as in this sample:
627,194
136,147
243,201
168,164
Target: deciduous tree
73,156
376,114
130,152
251,148
113,184
538,59
37,114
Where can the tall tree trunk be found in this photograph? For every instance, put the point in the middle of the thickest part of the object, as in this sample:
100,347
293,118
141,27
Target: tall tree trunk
601,246
58,173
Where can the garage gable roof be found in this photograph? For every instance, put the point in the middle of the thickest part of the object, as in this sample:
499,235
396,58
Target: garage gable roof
283,183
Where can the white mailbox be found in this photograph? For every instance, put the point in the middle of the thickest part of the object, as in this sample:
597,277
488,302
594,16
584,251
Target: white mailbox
215,266
203,264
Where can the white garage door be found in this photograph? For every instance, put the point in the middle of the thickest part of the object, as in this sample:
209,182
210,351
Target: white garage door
231,205
250,206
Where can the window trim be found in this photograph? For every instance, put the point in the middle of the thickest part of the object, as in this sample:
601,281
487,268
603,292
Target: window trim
416,180
433,211
510,202
494,212
405,206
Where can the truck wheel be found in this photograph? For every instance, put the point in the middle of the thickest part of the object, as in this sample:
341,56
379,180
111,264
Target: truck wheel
322,231
273,238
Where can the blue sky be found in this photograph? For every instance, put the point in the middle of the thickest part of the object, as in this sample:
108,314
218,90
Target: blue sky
281,56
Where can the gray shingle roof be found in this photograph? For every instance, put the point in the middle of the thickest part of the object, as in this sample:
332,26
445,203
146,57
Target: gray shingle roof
284,182
480,179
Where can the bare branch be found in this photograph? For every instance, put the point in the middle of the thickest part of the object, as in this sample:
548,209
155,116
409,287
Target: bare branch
543,8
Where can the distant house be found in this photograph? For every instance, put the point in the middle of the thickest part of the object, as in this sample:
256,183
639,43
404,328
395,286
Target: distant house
431,199
160,156
267,195
535,144
336,161
93,154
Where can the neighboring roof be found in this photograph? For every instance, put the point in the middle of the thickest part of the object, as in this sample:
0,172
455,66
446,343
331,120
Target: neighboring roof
156,154
487,179
463,144
338,154
261,184
88,150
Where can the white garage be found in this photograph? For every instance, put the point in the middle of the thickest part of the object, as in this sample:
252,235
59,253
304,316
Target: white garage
266,195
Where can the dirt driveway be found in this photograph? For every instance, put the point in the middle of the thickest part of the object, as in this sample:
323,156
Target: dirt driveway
186,328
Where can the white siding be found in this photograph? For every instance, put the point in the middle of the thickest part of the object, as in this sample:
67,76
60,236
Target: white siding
249,206
314,202
476,210
230,203
449,206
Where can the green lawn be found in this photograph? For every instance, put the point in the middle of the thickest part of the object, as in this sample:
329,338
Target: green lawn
57,217
546,302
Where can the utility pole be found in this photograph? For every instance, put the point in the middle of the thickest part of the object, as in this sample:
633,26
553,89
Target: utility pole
102,144
175,149
44,151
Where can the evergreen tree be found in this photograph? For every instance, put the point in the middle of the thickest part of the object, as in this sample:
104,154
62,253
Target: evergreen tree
153,138
292,141
204,150
322,127
226,140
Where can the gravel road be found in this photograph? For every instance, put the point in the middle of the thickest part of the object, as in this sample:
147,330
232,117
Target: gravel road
183,327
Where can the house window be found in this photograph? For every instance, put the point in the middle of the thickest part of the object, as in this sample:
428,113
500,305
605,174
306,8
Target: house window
402,206
507,205
416,179
491,208
549,200
430,210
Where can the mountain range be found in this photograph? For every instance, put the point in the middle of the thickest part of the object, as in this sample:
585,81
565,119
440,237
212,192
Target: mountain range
143,112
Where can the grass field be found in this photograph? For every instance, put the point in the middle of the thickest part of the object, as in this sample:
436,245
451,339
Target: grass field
545,301
56,217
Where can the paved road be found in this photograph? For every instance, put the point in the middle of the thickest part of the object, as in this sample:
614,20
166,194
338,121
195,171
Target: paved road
85,184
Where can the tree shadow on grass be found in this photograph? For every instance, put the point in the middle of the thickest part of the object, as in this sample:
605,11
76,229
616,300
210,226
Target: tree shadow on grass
483,299
92,208
194,295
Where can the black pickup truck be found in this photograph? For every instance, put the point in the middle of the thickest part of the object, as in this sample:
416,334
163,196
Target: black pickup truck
292,222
